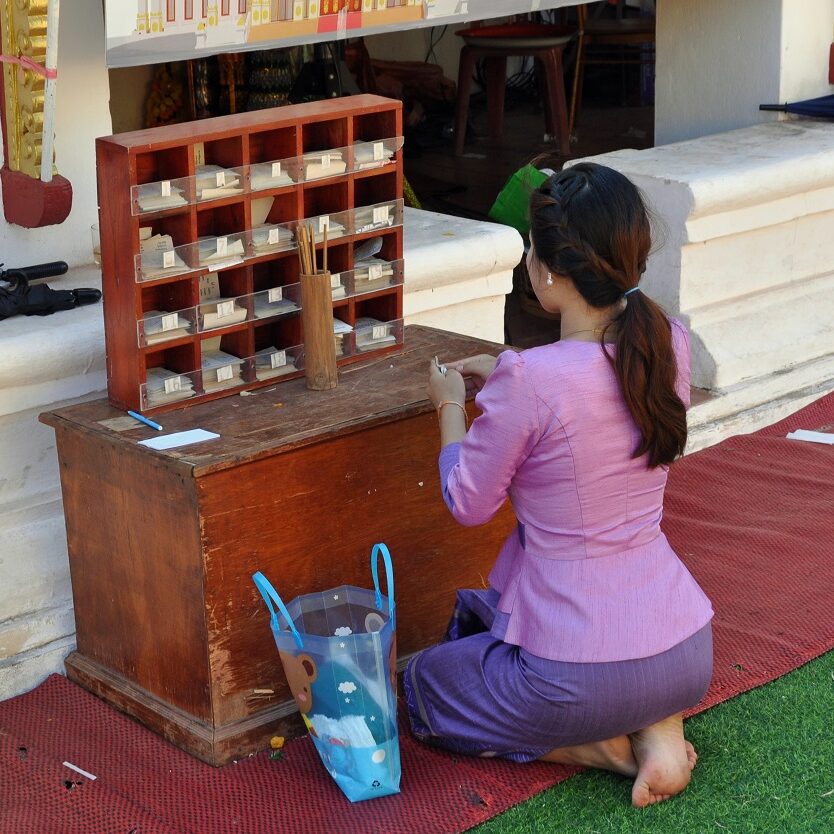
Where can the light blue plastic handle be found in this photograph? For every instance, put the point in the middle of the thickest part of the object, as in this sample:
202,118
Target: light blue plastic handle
389,576
270,595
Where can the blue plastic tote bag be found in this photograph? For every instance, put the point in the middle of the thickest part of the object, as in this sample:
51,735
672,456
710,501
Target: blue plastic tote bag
339,654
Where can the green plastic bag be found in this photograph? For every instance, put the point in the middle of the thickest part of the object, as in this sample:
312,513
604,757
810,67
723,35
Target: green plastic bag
510,207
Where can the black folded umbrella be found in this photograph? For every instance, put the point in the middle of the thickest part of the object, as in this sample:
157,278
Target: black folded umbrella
819,108
21,298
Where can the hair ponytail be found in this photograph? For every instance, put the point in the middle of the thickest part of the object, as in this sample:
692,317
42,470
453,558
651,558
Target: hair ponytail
589,223
647,372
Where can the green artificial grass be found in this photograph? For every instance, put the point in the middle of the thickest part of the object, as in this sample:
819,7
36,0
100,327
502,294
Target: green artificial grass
766,764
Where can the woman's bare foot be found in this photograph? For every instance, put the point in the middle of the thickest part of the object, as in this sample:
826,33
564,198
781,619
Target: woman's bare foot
691,755
612,754
664,762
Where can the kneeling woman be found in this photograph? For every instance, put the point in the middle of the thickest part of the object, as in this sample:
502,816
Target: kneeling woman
592,637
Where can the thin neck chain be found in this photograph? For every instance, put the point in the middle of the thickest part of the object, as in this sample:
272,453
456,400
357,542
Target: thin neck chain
589,330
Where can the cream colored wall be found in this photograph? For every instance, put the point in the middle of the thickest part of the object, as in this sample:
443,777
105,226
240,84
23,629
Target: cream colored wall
413,46
128,90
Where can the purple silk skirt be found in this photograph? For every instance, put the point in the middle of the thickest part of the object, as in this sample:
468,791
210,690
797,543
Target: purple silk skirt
476,695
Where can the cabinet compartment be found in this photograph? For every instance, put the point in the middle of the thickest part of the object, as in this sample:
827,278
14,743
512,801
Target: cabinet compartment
207,222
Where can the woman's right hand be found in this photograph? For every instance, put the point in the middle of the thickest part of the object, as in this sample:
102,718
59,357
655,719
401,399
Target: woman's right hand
477,367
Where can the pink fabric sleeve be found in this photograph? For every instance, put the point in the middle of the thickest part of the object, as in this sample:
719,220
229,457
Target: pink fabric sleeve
500,439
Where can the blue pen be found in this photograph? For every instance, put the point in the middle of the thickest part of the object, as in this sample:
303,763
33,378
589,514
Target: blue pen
145,420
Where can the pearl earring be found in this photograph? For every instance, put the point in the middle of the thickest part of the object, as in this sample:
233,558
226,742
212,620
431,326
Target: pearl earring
549,280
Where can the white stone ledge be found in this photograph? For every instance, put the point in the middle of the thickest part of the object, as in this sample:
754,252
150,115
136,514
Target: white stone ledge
47,359
752,166
449,251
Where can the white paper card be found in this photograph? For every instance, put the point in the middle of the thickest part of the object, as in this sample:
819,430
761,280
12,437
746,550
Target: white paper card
209,287
217,265
324,222
224,373
220,178
374,271
380,331
275,294
336,281
812,436
276,169
274,236
170,321
166,188
225,308
180,438
222,245
381,214
168,259
173,384
278,359
325,160
379,151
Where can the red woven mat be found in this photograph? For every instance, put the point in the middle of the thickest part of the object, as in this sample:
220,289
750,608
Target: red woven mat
752,519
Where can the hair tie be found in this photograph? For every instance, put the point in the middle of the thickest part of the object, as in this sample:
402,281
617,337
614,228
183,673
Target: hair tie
629,292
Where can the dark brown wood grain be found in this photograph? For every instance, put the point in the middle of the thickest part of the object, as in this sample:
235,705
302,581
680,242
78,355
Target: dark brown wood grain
300,485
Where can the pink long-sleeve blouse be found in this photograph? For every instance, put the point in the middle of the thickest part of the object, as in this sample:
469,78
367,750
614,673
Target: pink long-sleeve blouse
588,576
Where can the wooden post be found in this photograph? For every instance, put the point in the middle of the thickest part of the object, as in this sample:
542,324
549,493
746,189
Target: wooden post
317,322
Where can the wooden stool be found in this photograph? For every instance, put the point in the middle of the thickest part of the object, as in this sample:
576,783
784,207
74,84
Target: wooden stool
542,42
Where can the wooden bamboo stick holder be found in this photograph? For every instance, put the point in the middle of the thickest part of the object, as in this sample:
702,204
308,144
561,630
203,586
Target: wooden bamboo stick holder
317,322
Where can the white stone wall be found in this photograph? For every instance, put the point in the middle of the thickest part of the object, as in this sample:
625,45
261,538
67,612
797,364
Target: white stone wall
47,362
718,60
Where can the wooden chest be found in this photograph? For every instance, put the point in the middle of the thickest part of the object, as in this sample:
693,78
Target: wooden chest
300,485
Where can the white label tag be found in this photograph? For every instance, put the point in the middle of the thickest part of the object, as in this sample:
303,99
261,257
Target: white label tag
166,188
167,259
382,214
324,223
274,237
222,245
173,384
278,359
325,160
224,373
336,281
220,178
225,308
380,331
275,294
276,169
379,151
463,7
374,271
170,322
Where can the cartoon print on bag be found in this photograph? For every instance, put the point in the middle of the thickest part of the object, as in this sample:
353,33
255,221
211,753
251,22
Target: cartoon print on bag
300,671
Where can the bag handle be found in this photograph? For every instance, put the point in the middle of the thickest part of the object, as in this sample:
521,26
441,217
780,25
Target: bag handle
389,576
270,594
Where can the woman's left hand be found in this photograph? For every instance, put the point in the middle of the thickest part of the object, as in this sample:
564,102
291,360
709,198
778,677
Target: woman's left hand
445,387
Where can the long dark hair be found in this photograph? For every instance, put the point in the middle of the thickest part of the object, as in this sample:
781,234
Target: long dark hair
590,223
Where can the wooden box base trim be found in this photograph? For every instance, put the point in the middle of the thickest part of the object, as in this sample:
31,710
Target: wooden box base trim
215,745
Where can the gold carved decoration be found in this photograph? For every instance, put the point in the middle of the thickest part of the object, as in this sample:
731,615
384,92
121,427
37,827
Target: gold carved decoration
23,25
